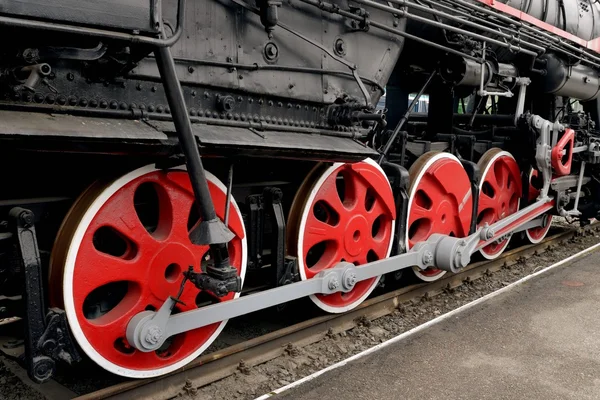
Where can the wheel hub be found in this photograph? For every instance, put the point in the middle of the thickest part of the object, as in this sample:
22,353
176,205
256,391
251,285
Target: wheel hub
356,235
165,272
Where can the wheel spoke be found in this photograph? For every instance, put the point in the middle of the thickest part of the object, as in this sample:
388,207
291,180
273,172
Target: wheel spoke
486,202
108,269
317,231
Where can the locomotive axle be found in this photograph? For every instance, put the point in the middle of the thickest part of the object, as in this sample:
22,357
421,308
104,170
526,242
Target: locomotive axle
148,330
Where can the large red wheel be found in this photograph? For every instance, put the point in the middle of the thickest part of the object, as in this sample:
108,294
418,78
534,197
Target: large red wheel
500,191
342,212
537,234
440,201
120,251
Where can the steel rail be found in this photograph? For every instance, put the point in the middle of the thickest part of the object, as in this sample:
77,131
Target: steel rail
220,364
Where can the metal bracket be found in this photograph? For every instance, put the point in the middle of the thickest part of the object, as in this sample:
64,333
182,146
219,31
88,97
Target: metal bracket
40,367
284,273
56,342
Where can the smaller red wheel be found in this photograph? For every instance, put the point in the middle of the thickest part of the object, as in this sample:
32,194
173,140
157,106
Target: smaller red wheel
343,212
439,201
499,194
537,234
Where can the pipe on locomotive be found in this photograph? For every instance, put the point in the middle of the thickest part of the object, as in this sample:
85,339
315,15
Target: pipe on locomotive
577,81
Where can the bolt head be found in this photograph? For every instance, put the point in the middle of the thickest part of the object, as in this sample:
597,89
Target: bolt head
333,284
153,335
427,258
351,279
271,51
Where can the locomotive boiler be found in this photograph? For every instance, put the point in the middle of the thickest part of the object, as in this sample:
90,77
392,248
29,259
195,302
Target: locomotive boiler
170,164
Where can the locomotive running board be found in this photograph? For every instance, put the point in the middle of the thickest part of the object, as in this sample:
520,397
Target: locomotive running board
148,330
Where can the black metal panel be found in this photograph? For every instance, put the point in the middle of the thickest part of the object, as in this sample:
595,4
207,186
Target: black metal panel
17,123
120,14
68,130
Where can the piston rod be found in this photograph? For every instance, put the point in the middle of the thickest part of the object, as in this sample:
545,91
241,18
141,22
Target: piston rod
148,330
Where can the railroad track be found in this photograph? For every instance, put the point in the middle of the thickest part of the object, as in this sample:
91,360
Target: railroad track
220,364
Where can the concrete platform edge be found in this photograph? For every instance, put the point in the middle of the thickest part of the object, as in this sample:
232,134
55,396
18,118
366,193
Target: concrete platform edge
428,324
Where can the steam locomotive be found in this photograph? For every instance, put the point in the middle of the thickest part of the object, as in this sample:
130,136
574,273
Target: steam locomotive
170,164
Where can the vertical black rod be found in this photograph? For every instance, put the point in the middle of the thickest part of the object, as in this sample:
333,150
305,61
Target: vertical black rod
183,126
228,201
390,142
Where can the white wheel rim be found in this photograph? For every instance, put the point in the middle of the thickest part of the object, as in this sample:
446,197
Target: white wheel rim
487,168
301,266
70,266
417,271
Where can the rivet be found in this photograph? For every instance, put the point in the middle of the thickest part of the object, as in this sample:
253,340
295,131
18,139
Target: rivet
151,108
38,97
193,93
123,105
193,112
138,86
236,116
83,102
73,100
153,89
114,104
94,103
50,98
160,109
70,76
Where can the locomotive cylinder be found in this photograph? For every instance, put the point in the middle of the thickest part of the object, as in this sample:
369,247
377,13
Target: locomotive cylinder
575,81
466,72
